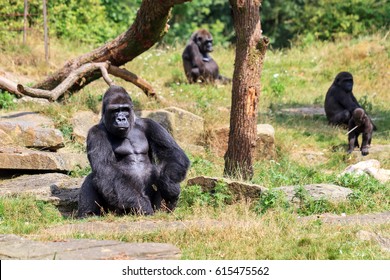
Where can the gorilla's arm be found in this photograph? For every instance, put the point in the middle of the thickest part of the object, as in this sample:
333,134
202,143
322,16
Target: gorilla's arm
348,101
99,149
170,159
194,57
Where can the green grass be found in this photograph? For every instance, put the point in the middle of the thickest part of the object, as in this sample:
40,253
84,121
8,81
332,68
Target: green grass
268,228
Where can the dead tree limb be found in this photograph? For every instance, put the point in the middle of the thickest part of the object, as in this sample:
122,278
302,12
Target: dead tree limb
133,78
9,86
81,72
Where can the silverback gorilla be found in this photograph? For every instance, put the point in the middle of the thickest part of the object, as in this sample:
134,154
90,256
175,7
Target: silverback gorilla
198,64
340,101
135,162
360,122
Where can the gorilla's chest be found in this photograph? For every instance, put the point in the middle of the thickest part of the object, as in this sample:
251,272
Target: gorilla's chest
133,145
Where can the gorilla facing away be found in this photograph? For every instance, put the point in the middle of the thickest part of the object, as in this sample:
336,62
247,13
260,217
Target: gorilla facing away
197,62
360,123
135,162
340,101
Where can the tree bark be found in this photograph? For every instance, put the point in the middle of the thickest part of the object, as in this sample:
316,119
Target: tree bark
250,53
148,28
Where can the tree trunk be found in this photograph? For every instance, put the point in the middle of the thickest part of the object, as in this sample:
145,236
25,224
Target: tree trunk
250,52
148,28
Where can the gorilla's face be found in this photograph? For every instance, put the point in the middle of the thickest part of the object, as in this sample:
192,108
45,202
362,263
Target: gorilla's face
117,113
359,116
118,119
345,81
347,85
204,40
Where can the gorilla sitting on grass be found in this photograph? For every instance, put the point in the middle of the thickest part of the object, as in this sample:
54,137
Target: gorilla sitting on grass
136,164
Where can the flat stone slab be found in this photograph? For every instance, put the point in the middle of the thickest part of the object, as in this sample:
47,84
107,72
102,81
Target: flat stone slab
17,158
356,219
15,247
56,188
239,190
27,118
29,129
304,111
317,191
82,121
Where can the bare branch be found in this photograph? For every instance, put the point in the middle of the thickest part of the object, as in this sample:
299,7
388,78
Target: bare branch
133,78
73,77
9,86
79,73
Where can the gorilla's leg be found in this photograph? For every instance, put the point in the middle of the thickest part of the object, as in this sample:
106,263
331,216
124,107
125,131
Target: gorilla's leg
352,141
365,143
170,192
340,118
90,202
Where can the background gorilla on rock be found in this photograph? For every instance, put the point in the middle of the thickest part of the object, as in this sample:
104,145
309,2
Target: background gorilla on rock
340,101
135,162
198,64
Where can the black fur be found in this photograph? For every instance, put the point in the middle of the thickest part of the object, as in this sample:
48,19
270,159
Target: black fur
340,101
365,127
198,64
135,162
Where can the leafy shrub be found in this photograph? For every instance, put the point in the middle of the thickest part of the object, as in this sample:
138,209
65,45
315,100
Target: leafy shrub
193,195
6,100
277,86
270,200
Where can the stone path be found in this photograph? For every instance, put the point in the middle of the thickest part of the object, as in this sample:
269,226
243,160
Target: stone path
357,219
15,247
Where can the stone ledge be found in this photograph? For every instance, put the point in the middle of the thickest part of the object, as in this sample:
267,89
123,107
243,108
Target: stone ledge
15,247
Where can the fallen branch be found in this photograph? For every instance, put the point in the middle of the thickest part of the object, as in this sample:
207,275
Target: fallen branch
79,74
132,78
9,86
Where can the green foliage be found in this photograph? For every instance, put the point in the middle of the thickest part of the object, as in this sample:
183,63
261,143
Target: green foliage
308,205
96,21
324,19
94,102
366,103
80,172
367,194
81,20
7,100
214,15
270,200
24,215
194,196
277,86
331,19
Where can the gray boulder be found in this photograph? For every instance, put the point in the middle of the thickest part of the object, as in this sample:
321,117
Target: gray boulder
56,188
330,192
239,190
14,158
82,121
369,167
31,130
